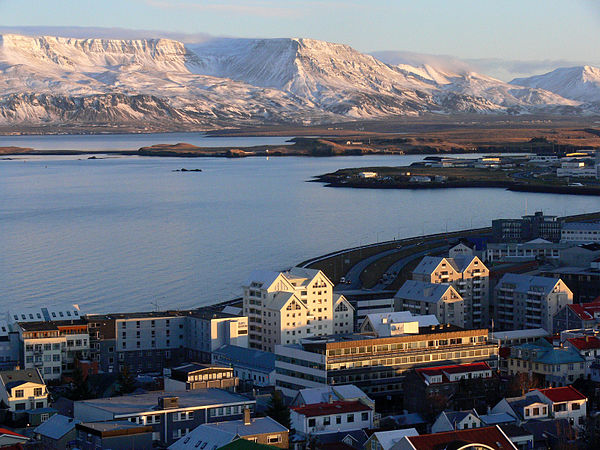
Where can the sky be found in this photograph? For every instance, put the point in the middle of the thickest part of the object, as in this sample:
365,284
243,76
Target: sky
510,36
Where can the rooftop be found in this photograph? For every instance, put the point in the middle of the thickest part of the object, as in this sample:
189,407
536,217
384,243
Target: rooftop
424,291
131,404
388,438
326,409
247,357
321,394
576,226
585,311
585,343
9,377
563,394
38,326
56,426
490,436
524,283
519,334
113,428
258,425
453,369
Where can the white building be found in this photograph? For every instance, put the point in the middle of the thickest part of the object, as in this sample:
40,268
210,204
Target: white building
456,420
44,314
580,232
22,390
439,299
42,348
284,307
396,323
468,275
576,169
249,364
539,249
525,301
330,417
343,315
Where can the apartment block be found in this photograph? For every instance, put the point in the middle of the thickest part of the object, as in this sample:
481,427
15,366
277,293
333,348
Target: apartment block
42,348
285,307
527,228
423,298
377,365
468,275
524,301
580,232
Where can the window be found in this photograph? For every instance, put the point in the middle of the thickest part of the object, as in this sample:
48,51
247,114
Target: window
19,393
575,406
274,439
37,391
350,418
326,420
312,422
364,416
338,419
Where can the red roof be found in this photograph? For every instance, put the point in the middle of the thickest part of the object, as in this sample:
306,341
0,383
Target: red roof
12,433
453,369
490,436
563,394
585,311
585,343
326,409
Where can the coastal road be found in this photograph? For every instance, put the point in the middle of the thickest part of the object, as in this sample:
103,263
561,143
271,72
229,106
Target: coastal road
353,275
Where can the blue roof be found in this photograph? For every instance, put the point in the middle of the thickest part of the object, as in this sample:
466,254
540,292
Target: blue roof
247,357
524,283
559,356
581,226
56,426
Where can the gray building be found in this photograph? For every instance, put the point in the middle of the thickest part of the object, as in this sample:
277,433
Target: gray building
171,415
248,364
58,432
527,228
115,435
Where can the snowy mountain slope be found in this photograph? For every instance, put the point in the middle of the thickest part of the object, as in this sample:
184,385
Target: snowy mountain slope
230,82
580,83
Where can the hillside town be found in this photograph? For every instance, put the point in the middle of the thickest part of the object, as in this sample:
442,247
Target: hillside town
493,342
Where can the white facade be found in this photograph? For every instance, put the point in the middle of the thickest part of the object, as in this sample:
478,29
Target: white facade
580,232
22,390
284,307
450,421
343,315
345,418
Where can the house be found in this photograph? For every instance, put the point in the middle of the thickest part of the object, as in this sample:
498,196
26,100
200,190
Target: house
386,440
56,432
441,300
555,366
354,439
525,301
588,347
489,438
170,414
113,434
468,275
456,420
395,323
23,390
285,307
577,316
429,389
262,430
12,440
249,364
545,404
463,248
349,392
200,376
343,415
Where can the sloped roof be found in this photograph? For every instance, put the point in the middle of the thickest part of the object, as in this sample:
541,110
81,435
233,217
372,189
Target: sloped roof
563,394
585,311
12,378
56,426
428,265
280,299
388,438
497,418
457,416
11,433
453,369
264,277
524,283
325,409
257,425
243,444
203,434
559,356
585,343
490,436
423,291
247,357
316,395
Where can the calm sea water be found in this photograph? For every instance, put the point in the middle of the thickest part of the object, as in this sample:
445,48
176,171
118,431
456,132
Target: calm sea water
124,233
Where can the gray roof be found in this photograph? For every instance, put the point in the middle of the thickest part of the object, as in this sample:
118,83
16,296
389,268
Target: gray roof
12,378
132,404
56,426
497,418
422,291
519,334
112,425
247,357
263,277
316,395
575,226
524,283
428,264
203,434
258,425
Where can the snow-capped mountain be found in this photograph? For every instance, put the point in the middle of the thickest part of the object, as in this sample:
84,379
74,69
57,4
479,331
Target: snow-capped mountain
580,83
231,82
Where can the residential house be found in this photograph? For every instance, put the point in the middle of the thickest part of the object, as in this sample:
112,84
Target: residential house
456,420
468,276
261,430
343,317
170,414
11,440
577,316
344,415
525,301
441,300
22,390
386,440
489,438
57,432
42,348
249,364
200,376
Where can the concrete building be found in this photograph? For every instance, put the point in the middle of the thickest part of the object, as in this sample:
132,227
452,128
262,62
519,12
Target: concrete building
22,390
151,341
524,301
583,282
248,364
9,347
396,323
113,434
42,348
438,299
538,249
580,232
343,315
44,314
376,365
284,307
527,228
346,392
200,376
170,415
468,275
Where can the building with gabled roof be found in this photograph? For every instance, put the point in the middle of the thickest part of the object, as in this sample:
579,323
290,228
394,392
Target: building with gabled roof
490,438
456,420
577,316
56,432
525,301
311,396
396,323
284,307
194,375
438,299
386,440
10,439
23,390
468,275
332,416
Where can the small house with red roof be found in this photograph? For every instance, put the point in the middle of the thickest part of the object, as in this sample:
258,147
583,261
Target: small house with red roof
577,316
492,438
9,439
587,346
331,416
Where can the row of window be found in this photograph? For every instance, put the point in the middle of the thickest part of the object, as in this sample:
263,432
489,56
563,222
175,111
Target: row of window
20,393
312,422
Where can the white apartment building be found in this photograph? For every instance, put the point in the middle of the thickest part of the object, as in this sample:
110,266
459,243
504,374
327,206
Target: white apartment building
468,275
524,301
284,307
343,315
42,348
439,299
580,232
22,390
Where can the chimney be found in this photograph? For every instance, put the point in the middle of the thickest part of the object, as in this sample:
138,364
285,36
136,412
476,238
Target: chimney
330,397
246,416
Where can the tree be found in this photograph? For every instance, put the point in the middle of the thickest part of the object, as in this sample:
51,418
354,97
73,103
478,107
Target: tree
277,409
81,388
126,381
